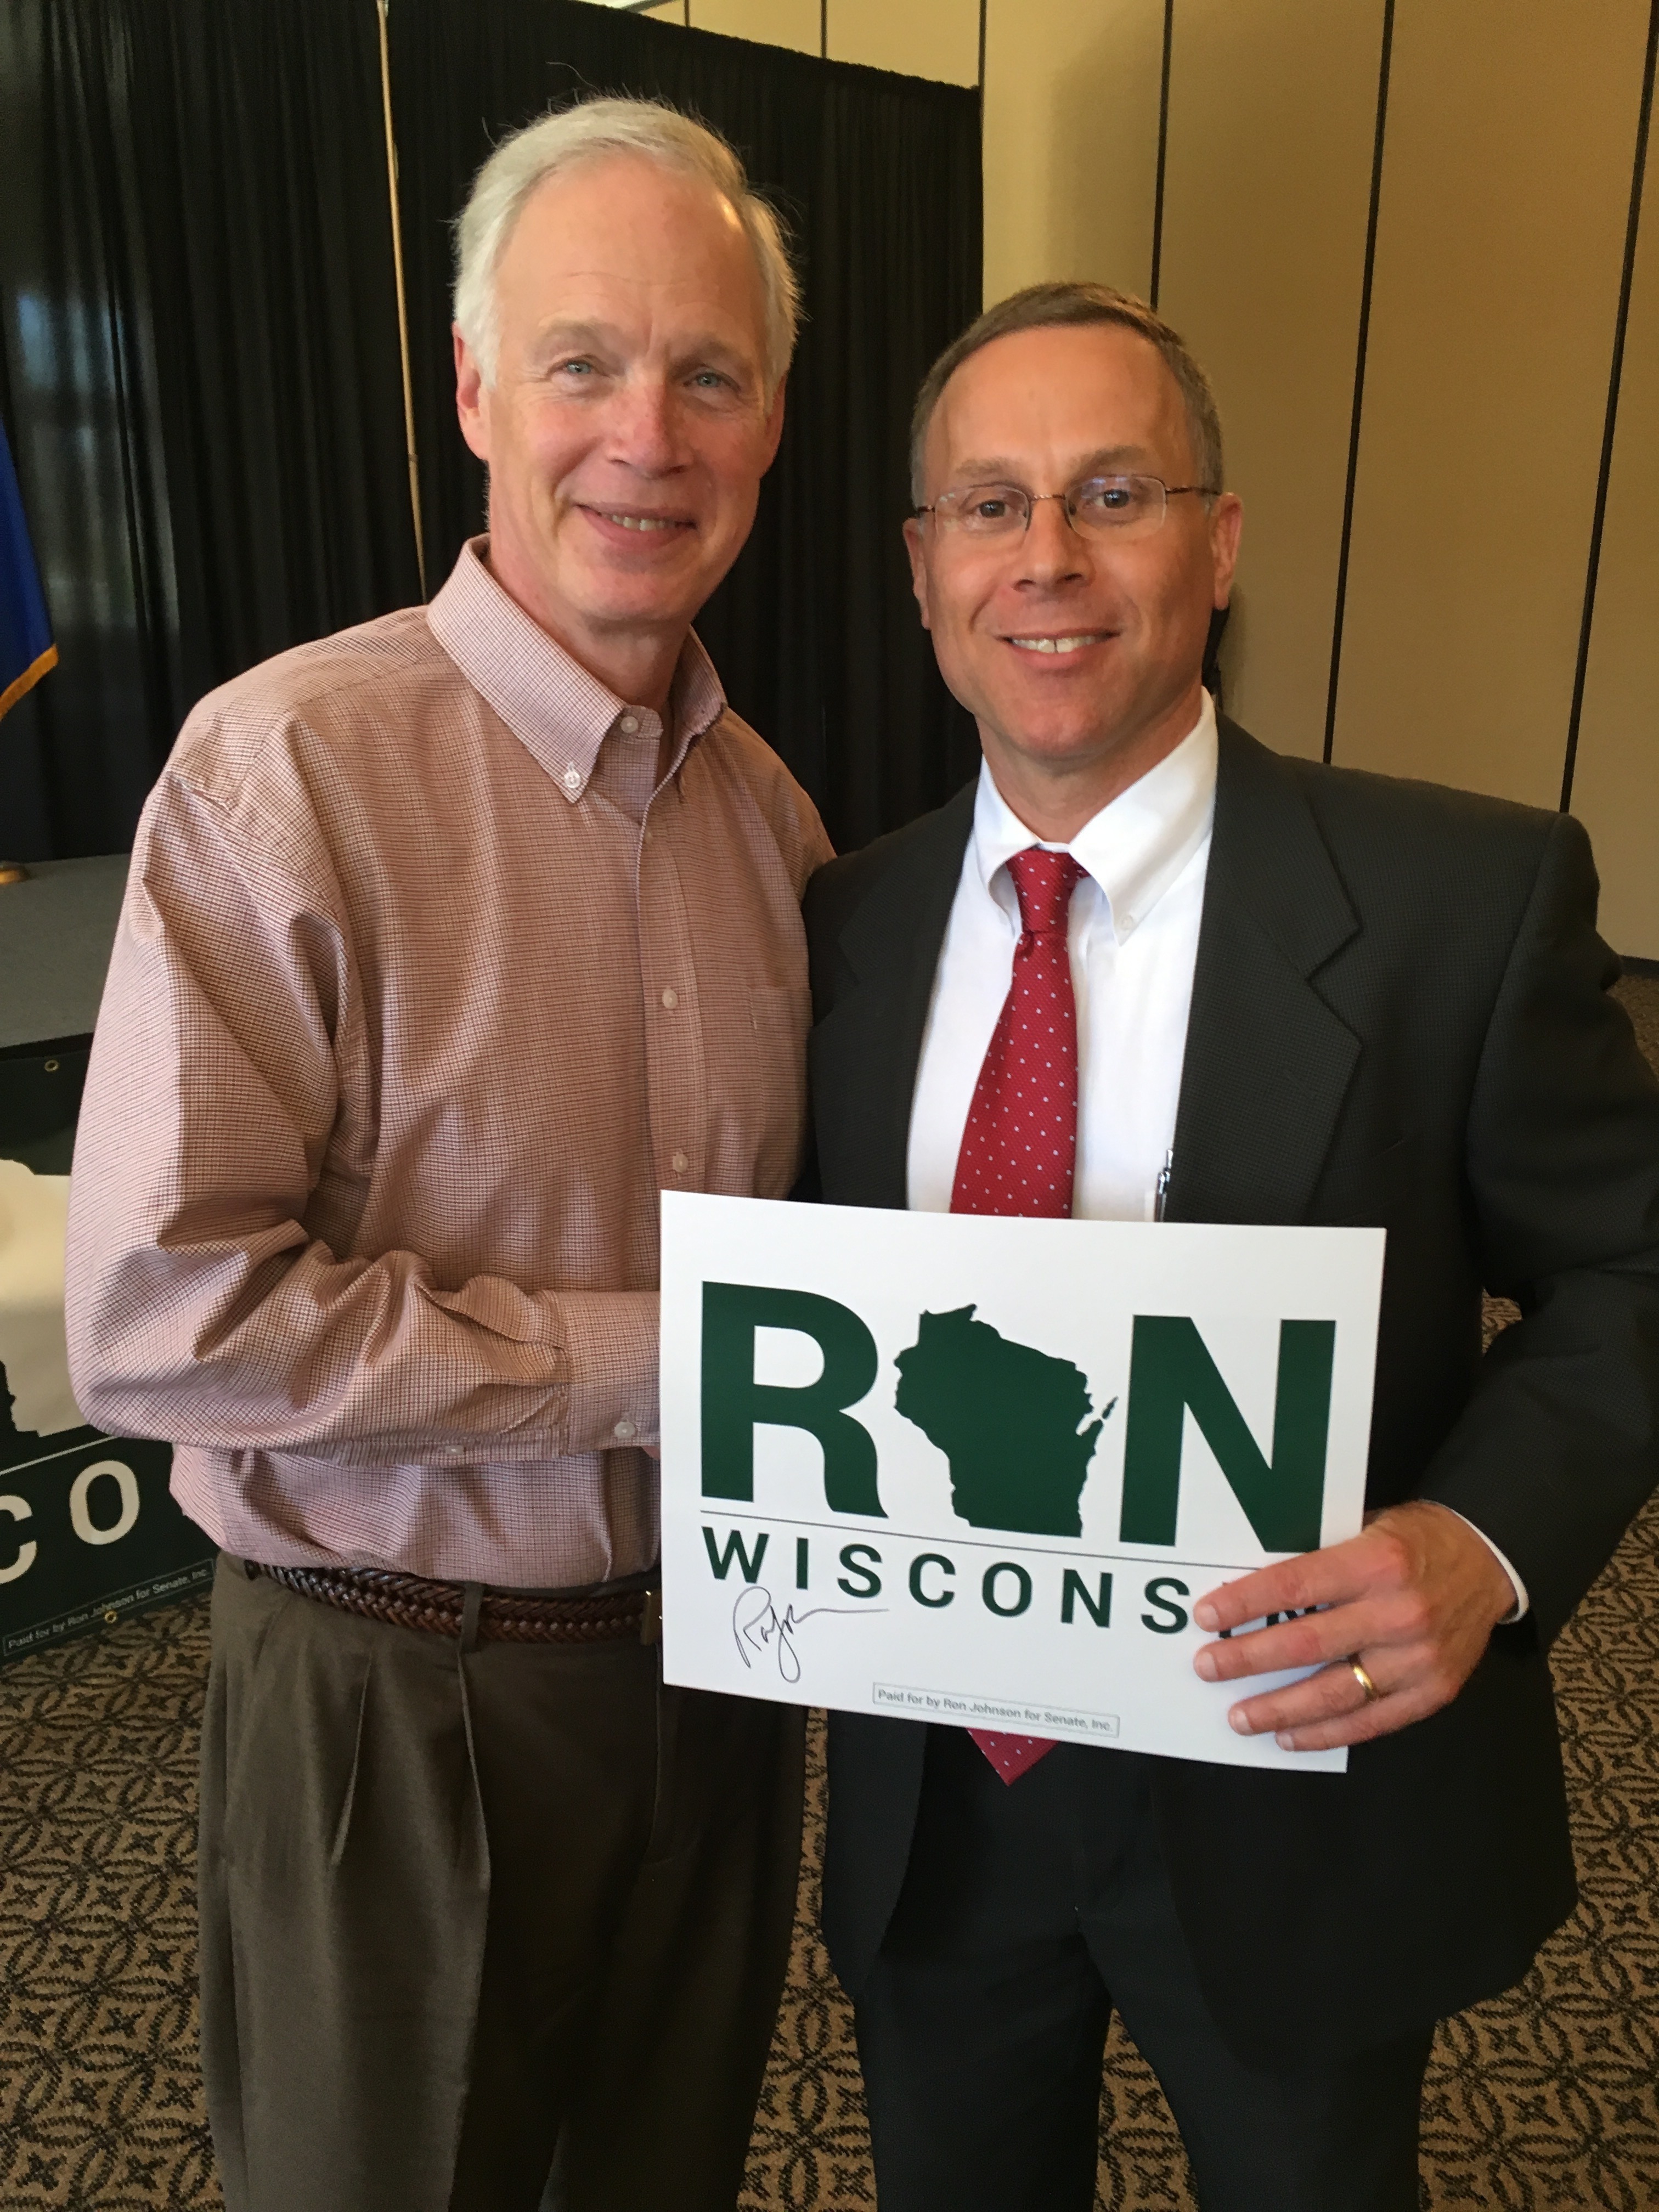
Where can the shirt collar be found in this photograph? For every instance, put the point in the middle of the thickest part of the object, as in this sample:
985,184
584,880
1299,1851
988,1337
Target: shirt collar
1134,847
555,708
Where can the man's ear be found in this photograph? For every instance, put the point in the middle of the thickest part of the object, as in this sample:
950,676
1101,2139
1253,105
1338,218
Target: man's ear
774,426
1226,522
918,565
471,397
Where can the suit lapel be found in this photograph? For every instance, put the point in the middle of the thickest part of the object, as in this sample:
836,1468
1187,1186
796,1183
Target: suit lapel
864,1052
1268,1063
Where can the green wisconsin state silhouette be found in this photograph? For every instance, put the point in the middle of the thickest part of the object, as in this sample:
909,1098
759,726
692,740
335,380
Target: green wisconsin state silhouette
1008,1417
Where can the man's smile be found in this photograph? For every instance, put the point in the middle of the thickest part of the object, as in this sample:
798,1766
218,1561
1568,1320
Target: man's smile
1071,641
621,518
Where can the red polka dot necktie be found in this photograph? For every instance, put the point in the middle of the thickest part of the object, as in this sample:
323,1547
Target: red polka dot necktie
1019,1148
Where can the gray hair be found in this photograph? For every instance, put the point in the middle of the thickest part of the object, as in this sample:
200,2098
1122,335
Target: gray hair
1047,306
579,133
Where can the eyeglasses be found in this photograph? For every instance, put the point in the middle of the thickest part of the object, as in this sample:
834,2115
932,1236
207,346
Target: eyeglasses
1104,507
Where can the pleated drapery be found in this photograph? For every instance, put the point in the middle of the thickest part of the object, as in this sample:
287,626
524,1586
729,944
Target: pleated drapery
78,392
200,373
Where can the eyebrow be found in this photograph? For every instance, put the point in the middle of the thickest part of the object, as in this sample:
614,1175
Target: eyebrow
555,338
578,336
1002,470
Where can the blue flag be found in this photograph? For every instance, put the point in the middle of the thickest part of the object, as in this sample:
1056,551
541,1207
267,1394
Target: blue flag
26,651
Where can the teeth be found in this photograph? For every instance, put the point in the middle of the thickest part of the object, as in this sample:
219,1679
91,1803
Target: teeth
642,521
1056,644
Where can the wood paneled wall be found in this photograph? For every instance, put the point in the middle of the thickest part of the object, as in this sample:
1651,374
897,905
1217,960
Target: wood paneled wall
1506,179
1398,234
1268,186
1071,112
1615,782
919,38
797,23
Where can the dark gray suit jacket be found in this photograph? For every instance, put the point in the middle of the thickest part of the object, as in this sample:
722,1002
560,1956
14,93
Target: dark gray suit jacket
1399,1017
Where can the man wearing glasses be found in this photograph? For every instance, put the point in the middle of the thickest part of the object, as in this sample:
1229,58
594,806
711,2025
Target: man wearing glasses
1146,967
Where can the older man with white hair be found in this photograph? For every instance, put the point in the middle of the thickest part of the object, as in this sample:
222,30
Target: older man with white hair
449,942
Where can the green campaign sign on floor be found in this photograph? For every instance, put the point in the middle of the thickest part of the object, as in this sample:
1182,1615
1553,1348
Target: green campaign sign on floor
88,1530
976,1470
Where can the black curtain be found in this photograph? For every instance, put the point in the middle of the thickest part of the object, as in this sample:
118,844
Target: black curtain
77,387
201,369
815,631
281,384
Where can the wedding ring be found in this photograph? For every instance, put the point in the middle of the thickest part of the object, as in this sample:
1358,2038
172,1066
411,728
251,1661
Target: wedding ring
1372,1693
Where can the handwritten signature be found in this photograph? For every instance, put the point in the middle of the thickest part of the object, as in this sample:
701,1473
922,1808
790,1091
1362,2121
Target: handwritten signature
760,1630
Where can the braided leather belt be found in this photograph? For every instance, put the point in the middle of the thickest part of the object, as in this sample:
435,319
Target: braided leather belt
412,1601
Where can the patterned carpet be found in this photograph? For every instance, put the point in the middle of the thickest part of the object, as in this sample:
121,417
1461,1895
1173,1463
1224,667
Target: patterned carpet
1546,2097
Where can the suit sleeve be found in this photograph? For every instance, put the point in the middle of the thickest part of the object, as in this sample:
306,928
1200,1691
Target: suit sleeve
1558,1446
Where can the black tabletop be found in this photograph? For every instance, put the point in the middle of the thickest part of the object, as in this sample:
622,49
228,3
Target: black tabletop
56,930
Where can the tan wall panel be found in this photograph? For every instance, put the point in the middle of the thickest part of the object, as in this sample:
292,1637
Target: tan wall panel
1615,787
1505,186
793,23
937,39
1272,113
1071,141
669,11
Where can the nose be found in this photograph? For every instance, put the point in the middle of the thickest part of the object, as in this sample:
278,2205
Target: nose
645,431
1051,551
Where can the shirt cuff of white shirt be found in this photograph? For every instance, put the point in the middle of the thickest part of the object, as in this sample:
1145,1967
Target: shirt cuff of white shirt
1522,1601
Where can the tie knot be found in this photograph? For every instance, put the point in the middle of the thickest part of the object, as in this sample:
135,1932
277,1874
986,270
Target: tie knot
1043,883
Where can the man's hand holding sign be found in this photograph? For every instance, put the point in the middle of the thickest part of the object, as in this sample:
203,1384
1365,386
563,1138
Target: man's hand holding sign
1414,1599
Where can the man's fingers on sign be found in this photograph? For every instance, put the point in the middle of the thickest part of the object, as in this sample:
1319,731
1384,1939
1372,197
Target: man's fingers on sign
1405,1611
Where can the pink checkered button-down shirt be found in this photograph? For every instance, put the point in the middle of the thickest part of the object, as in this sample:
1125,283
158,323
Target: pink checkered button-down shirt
424,988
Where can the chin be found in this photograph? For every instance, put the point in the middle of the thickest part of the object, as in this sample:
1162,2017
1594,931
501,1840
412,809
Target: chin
1060,749
1050,733
611,598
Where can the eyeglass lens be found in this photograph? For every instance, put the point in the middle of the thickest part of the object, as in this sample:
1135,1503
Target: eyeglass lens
1102,504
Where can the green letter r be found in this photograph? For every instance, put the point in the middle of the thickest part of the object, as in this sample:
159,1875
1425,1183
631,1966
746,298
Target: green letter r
733,1402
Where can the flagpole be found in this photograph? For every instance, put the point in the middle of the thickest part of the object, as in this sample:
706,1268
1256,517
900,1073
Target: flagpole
403,306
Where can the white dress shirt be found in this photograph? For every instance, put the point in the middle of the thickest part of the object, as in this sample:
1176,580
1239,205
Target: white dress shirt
1134,939
1133,942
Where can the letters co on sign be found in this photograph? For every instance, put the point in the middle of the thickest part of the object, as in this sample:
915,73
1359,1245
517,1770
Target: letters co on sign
88,1533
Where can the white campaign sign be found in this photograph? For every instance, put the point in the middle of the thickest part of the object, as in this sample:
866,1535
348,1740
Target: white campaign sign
974,1470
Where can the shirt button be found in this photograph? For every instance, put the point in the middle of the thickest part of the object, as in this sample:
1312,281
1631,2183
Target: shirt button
670,999
573,778
625,1430
630,724
680,1163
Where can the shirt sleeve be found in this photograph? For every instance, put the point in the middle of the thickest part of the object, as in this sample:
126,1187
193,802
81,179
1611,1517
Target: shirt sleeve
1518,1610
200,1307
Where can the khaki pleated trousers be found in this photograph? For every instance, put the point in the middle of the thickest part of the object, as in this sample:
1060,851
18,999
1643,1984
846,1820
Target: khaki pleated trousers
471,1918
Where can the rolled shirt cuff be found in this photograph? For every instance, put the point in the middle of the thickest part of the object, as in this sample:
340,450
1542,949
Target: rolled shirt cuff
1522,1601
609,1340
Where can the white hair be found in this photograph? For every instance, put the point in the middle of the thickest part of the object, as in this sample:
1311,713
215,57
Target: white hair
589,128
